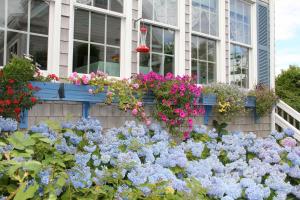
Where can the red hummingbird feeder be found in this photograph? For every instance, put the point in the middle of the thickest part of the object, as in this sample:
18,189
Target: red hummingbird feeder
143,48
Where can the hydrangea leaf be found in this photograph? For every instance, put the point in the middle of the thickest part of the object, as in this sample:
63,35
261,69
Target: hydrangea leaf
20,141
26,191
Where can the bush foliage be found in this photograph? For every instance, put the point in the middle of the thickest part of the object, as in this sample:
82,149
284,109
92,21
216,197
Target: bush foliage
135,162
288,86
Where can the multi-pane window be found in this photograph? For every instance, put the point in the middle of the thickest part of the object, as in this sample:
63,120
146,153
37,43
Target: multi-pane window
164,11
239,69
240,21
205,16
203,60
161,58
113,5
96,43
25,25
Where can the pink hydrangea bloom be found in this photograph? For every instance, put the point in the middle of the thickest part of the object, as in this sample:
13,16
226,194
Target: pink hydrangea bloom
288,142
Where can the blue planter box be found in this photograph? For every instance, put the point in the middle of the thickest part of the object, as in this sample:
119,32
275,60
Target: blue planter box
81,93
149,97
250,102
208,99
46,90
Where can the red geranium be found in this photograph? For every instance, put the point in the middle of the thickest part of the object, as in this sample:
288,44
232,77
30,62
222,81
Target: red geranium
17,110
33,99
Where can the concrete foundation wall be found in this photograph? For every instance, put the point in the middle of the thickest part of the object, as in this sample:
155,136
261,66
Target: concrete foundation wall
111,116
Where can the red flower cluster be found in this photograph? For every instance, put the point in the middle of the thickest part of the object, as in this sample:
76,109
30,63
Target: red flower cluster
14,97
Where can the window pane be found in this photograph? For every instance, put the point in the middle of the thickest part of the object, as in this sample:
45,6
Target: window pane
144,63
86,2
160,10
211,51
80,57
97,28
169,38
239,69
194,70
1,47
2,13
113,31
157,39
172,12
213,24
203,72
147,9
38,48
16,44
116,5
211,72
204,22
81,26
96,58
112,61
17,14
196,15
39,21
240,21
194,47
202,48
101,3
157,63
214,6
169,65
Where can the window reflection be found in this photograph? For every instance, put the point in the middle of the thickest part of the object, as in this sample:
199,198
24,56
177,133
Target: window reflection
205,16
164,11
239,74
17,16
204,60
161,58
101,49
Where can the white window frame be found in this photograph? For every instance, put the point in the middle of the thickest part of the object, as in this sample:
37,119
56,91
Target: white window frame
220,41
125,34
54,7
252,47
179,36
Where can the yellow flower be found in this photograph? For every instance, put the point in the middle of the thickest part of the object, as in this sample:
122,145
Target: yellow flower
169,190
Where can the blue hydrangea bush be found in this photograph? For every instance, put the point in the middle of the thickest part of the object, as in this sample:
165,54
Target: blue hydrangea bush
81,161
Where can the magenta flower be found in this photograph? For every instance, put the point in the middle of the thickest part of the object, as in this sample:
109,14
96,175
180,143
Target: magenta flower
182,114
134,112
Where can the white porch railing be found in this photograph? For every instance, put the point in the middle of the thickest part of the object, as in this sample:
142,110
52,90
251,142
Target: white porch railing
287,117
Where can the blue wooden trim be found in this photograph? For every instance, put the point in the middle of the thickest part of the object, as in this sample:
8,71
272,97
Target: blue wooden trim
81,94
207,115
46,91
24,119
250,102
209,99
86,109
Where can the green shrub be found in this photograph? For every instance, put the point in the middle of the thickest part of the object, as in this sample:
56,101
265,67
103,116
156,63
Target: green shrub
265,99
288,86
230,101
19,69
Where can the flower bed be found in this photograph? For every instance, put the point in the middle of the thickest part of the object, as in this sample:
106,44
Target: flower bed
80,161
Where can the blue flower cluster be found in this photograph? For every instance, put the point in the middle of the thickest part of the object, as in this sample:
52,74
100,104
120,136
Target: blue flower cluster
235,166
8,125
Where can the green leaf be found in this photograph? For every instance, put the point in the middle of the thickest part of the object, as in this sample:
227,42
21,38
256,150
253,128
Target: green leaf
32,166
46,140
20,141
23,194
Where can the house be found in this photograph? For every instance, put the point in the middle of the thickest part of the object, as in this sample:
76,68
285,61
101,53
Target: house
229,41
